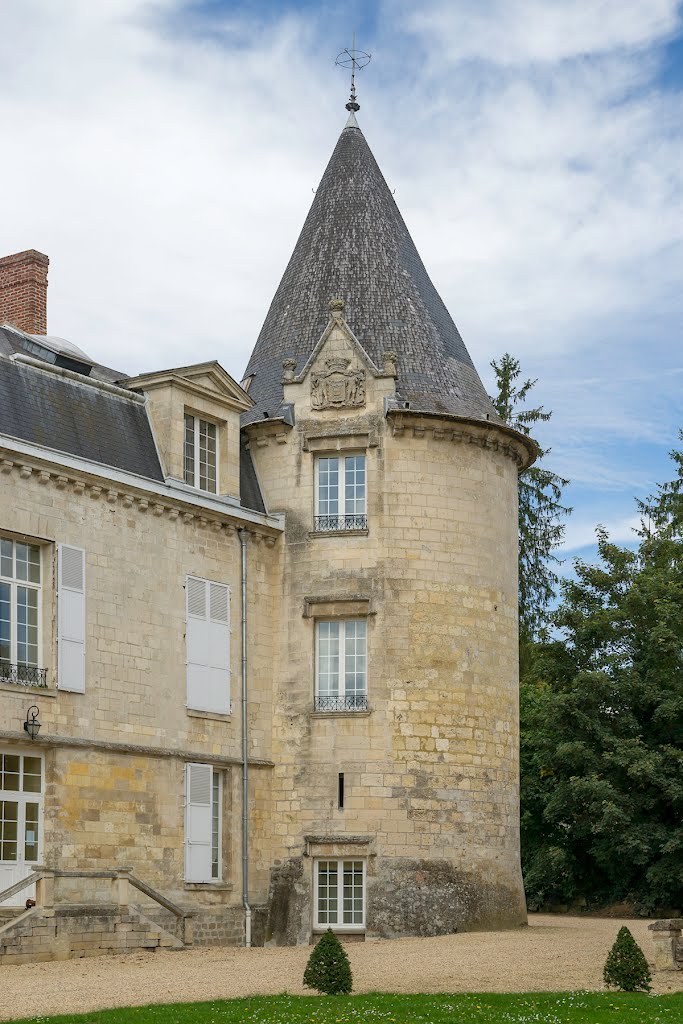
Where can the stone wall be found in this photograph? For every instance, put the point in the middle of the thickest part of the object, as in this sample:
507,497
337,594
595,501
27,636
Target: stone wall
115,755
431,772
431,769
72,932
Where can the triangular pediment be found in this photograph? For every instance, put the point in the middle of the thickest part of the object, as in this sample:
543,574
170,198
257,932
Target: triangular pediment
338,342
207,379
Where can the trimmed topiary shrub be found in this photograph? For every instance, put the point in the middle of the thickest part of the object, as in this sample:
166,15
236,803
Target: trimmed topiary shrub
626,967
328,969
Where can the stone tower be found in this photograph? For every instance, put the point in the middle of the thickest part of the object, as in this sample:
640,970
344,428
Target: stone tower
395,703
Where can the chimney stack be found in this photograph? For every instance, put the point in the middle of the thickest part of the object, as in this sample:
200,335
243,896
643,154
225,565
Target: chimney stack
23,291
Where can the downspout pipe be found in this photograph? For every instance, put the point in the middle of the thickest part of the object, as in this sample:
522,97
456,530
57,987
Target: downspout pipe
244,536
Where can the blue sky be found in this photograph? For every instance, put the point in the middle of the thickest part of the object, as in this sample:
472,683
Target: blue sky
164,153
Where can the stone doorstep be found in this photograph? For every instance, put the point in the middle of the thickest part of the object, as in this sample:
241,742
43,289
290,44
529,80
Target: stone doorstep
99,911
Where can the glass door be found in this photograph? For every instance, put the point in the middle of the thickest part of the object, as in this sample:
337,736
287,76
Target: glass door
21,821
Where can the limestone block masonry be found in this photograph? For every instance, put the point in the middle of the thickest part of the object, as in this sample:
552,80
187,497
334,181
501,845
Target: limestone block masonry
431,772
113,758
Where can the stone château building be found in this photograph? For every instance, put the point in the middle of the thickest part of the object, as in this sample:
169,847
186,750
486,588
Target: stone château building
268,628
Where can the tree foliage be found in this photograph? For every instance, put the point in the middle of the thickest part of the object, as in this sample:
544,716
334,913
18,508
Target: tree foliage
541,511
328,969
626,967
602,724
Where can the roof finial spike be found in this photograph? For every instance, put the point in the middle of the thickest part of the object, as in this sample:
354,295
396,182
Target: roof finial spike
354,59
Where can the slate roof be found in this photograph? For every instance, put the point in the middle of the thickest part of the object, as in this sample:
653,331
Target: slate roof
250,491
75,418
82,419
355,246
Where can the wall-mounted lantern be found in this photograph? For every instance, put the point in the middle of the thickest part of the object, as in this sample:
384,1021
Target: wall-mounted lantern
32,725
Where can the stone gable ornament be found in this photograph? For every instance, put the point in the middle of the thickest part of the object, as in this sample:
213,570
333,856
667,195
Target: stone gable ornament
289,366
337,387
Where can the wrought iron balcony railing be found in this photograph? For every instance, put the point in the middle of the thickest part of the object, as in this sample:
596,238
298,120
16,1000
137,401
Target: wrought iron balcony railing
327,523
349,702
23,675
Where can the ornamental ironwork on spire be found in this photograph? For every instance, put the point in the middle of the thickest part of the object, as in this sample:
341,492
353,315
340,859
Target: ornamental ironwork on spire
355,60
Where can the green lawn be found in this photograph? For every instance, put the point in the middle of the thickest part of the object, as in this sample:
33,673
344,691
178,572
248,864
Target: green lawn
528,1008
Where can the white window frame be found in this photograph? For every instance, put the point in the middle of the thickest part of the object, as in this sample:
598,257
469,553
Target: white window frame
21,797
196,421
217,776
341,693
341,515
338,926
215,848
14,583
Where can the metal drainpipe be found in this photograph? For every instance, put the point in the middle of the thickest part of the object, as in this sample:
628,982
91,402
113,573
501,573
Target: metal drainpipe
243,535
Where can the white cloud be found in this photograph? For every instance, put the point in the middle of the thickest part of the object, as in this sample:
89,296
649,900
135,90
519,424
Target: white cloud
167,170
535,30
156,171
580,533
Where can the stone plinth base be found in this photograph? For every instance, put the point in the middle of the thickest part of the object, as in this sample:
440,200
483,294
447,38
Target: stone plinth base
668,946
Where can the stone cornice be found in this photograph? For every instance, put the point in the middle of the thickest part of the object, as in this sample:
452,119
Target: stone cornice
133,749
155,498
273,430
459,429
232,396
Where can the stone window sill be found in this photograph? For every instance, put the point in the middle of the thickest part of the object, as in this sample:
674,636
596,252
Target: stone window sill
341,932
212,886
341,714
338,533
21,688
213,716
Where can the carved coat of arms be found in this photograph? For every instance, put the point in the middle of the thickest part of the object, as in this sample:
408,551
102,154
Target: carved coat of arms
337,387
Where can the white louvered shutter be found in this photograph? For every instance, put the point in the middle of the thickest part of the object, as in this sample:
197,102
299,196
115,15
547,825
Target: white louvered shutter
71,618
208,646
219,648
197,823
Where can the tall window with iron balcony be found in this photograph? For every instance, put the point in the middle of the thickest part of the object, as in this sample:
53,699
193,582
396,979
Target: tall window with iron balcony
340,493
341,675
20,607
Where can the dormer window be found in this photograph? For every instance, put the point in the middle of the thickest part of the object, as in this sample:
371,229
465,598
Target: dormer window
201,454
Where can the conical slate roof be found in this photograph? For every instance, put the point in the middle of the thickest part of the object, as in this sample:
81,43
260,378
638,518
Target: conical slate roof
355,246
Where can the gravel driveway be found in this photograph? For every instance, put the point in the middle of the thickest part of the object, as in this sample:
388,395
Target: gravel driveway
554,953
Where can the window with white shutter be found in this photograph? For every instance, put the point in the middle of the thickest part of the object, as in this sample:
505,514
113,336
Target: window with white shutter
71,618
208,645
203,823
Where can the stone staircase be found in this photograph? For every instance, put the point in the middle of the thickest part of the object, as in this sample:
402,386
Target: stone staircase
62,931
76,931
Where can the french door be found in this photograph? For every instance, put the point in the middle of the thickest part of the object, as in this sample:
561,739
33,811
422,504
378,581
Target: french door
21,821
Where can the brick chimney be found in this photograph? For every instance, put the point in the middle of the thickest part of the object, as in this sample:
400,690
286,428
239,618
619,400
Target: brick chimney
23,291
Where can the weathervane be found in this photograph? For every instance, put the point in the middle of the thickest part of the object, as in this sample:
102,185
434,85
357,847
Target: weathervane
354,59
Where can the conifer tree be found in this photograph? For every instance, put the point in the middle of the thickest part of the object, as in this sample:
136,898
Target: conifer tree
626,967
328,969
541,511
602,724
